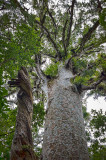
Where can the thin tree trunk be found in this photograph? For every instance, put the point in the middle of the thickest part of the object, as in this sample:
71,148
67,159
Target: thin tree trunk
64,135
22,145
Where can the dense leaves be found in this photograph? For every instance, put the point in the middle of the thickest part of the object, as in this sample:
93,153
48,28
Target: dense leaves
98,127
18,48
7,128
95,123
52,69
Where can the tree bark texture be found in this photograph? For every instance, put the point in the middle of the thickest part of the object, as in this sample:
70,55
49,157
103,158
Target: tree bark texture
22,145
64,135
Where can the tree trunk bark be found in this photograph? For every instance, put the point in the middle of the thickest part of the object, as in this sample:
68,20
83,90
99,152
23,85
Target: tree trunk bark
64,135
22,145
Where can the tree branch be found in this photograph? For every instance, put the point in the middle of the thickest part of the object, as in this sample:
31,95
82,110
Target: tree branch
70,24
52,18
12,101
49,55
39,72
87,36
24,10
94,85
63,36
99,6
49,37
21,8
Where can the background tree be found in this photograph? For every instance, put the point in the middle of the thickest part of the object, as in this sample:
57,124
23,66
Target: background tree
71,36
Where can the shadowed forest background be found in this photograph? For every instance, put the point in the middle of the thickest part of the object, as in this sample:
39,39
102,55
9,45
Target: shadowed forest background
45,36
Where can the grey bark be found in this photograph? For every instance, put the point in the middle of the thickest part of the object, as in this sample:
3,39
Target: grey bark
64,135
22,145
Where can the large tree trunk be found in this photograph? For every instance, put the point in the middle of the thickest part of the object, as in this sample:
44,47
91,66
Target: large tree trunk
64,135
22,145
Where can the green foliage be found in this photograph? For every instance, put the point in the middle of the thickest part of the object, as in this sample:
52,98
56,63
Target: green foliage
52,69
38,115
86,114
86,28
18,51
97,151
3,93
7,128
95,124
37,121
98,123
103,18
79,63
17,48
97,139
101,61
91,72
39,151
